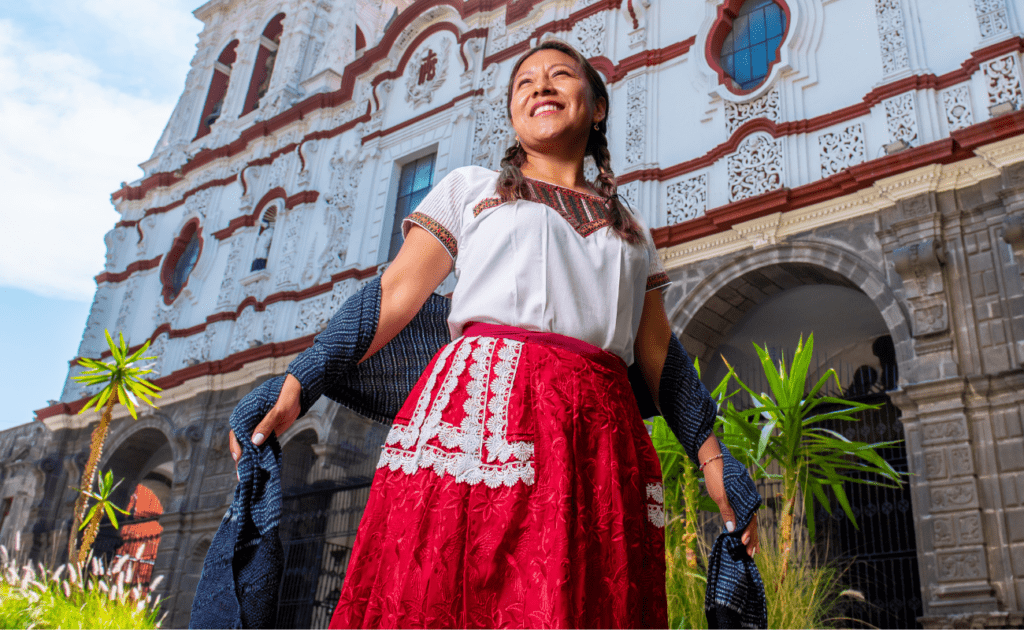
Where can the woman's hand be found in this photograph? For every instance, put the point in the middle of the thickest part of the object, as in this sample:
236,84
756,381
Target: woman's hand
710,456
280,417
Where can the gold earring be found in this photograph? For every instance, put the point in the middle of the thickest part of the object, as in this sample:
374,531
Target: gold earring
596,127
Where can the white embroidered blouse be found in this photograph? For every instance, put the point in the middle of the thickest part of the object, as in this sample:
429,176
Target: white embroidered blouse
551,265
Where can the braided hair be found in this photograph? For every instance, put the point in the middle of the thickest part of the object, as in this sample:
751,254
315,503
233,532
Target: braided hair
512,183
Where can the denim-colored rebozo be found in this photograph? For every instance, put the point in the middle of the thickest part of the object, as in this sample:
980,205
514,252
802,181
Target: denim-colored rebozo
242,572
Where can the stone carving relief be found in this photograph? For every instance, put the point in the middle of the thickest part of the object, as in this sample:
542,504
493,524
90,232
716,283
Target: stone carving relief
960,461
892,36
492,134
901,118
127,303
243,336
198,204
630,194
158,350
636,119
944,431
768,106
944,532
935,464
687,199
841,149
113,239
426,72
992,18
316,312
293,228
953,497
320,266
920,267
1003,81
94,339
755,168
969,529
956,101
588,35
199,348
961,566
229,283
309,150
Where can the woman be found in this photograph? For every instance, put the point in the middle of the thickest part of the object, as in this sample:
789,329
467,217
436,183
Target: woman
518,485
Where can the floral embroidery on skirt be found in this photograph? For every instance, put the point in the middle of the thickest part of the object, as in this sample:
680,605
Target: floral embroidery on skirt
518,487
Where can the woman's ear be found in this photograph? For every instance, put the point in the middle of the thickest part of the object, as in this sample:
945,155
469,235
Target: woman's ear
600,109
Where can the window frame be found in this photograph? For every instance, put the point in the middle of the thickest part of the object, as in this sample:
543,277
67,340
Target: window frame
391,210
191,229
728,12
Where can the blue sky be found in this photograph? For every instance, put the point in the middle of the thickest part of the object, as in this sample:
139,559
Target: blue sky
86,87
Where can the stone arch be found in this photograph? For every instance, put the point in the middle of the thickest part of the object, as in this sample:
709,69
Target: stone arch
753,276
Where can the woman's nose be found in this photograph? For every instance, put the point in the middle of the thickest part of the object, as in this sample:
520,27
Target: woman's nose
543,85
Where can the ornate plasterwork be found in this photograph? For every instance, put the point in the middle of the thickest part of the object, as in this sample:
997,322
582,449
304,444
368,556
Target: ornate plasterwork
992,18
956,101
243,336
687,199
841,149
492,133
228,284
630,193
755,168
901,118
426,72
316,312
892,36
588,35
1002,81
636,119
768,106
127,304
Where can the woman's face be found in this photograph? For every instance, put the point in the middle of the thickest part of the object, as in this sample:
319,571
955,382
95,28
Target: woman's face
552,105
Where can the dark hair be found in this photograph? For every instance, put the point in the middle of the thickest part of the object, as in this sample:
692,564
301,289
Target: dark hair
512,184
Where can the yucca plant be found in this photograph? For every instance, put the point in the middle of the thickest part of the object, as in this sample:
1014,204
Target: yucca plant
785,425
103,504
123,382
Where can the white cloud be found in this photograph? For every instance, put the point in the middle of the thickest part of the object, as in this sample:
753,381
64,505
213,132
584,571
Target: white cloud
66,142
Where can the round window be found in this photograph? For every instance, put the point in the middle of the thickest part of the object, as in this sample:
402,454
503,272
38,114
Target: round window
752,46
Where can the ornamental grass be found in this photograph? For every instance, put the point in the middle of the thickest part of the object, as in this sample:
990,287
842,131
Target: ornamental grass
75,595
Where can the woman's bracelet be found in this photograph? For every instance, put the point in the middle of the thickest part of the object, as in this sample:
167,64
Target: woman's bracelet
701,468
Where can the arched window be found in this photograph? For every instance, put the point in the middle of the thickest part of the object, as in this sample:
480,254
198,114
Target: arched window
265,239
181,260
218,89
414,182
752,46
360,39
263,70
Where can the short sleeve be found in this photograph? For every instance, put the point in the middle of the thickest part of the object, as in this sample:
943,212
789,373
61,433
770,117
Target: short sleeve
657,278
440,212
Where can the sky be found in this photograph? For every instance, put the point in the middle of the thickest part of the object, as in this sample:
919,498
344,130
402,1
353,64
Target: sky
86,87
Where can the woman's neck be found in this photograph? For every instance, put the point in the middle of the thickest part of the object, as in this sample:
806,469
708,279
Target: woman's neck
565,172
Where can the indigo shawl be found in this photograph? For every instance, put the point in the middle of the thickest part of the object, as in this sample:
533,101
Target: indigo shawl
242,572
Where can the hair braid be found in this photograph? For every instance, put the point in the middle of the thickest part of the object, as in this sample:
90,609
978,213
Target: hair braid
621,219
511,183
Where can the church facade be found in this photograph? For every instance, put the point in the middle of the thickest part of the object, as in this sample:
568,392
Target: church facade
849,169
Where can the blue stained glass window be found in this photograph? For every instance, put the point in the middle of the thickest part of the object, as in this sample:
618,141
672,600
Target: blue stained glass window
186,262
415,181
753,43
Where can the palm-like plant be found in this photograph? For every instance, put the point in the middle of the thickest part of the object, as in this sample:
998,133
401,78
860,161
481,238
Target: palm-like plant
123,382
91,524
784,426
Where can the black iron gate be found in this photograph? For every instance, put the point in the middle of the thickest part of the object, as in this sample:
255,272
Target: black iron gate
318,527
881,554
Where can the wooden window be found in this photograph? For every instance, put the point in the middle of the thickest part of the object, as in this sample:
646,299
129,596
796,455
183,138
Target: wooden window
263,70
218,89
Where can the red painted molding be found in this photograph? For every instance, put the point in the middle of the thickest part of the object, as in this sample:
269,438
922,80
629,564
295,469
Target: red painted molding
424,115
959,146
248,220
645,59
727,12
260,306
138,265
872,98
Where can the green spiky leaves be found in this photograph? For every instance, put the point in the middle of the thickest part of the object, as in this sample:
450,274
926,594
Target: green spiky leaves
122,376
102,498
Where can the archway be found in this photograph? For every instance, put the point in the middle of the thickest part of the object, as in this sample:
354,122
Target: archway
144,464
774,304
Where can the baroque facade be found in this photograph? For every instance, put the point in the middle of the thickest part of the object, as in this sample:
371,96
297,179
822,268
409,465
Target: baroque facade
878,159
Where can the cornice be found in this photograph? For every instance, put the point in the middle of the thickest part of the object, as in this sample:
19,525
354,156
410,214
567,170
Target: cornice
766,223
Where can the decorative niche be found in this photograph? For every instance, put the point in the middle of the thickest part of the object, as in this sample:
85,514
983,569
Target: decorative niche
181,260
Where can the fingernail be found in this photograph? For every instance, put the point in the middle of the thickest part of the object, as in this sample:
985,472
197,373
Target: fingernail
257,439
729,526
234,456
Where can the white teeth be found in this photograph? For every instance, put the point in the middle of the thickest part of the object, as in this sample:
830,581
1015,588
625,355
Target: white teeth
545,108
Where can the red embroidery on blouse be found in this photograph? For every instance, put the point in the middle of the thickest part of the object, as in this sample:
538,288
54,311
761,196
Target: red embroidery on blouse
439,231
490,202
658,280
585,213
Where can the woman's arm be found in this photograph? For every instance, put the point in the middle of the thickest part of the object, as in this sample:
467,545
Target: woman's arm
420,267
650,350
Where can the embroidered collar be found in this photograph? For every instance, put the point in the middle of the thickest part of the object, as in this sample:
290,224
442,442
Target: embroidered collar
585,212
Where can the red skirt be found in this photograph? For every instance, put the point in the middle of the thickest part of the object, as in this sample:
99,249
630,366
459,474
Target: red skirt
518,487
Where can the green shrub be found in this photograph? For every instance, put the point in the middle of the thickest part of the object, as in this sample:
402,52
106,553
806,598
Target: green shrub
76,595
